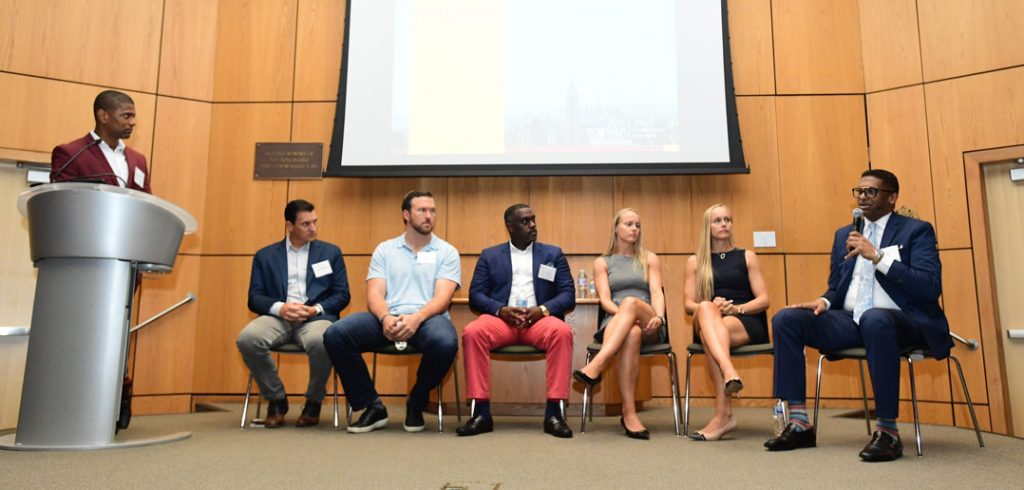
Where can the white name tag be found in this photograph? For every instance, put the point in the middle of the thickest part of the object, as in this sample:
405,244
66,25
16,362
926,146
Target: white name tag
426,257
140,177
322,268
546,273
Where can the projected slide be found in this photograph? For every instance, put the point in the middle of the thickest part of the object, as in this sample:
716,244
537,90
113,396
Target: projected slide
495,87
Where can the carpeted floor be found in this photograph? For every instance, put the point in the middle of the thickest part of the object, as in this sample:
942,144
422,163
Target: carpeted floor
516,455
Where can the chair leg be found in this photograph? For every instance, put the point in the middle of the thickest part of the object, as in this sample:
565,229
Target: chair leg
913,401
864,397
458,397
686,404
440,407
674,375
586,396
967,395
562,406
334,376
817,391
245,406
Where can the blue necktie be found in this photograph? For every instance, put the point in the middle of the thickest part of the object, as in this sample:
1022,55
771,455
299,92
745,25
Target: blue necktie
866,275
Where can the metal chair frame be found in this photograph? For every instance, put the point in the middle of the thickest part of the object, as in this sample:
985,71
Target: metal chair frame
911,355
518,350
411,351
741,351
288,348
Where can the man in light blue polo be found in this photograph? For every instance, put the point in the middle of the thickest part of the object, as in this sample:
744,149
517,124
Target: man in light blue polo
411,282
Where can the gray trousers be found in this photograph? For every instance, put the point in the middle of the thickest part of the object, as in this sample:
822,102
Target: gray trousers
265,332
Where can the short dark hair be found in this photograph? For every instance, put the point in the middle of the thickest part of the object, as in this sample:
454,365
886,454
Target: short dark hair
110,100
407,202
888,178
510,213
292,210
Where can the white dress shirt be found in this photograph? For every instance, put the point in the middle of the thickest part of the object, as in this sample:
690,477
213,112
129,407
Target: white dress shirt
116,158
880,299
522,275
298,262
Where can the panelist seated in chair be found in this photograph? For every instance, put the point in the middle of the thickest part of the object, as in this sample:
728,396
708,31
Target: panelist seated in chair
523,289
629,284
409,287
883,295
298,287
726,294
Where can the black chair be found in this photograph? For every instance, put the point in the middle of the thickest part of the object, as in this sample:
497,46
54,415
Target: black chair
284,349
911,355
741,351
411,351
660,349
518,351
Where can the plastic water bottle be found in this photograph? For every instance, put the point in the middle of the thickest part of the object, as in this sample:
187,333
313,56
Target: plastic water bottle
582,284
779,417
401,344
592,290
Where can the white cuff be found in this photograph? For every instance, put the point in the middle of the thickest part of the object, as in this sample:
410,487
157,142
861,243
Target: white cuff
275,309
319,309
885,263
828,304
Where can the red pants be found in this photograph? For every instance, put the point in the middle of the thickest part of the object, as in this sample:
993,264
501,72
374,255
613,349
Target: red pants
490,332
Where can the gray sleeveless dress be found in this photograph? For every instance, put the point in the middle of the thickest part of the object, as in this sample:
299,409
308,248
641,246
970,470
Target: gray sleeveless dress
624,281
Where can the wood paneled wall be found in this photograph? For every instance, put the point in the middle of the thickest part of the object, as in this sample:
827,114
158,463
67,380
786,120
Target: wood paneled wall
824,88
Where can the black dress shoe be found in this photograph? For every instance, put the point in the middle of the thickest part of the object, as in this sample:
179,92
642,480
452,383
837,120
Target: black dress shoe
883,447
275,413
556,426
587,380
478,424
310,416
373,418
643,435
791,439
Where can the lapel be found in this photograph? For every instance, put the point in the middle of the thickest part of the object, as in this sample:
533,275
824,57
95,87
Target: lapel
97,154
312,258
537,260
281,265
891,228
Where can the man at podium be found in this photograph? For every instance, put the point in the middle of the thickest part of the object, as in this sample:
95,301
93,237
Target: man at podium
101,156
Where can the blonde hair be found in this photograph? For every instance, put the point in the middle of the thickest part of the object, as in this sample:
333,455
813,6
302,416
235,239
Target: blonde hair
639,252
705,277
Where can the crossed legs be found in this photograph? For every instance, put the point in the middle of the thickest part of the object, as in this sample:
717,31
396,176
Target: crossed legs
718,334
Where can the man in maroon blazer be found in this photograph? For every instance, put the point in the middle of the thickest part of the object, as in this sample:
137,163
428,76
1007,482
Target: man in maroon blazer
101,155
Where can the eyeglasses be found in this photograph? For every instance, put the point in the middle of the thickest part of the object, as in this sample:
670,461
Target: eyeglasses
871,192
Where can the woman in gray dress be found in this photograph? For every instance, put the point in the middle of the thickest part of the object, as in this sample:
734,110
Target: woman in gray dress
628,282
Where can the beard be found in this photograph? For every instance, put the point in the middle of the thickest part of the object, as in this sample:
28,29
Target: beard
423,228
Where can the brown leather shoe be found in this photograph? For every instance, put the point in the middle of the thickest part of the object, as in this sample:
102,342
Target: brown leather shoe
275,413
310,415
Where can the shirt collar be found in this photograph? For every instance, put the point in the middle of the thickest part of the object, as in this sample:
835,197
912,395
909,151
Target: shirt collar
120,143
881,222
528,249
291,248
431,245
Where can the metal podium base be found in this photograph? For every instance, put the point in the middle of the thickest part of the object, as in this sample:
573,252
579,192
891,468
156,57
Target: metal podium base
7,442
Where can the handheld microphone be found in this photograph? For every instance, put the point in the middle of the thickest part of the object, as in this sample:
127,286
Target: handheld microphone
59,171
858,220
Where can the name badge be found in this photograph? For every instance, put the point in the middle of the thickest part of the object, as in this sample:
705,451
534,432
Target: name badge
426,257
140,177
322,268
546,273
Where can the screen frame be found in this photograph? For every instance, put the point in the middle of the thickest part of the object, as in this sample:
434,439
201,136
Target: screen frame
735,165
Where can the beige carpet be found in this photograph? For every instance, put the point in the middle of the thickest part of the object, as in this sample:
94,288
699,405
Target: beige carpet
516,455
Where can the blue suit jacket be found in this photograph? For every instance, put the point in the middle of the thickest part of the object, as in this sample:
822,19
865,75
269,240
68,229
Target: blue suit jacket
914,283
492,280
268,283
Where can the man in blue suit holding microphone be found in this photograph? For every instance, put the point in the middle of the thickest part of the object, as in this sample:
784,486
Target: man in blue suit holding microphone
522,290
883,295
298,287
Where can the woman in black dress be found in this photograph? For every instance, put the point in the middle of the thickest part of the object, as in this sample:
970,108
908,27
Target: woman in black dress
726,294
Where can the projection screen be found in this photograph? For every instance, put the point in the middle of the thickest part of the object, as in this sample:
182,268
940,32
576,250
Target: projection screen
535,87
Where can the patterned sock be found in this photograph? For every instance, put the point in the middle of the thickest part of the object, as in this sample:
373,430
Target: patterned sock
888,426
482,407
798,415
552,408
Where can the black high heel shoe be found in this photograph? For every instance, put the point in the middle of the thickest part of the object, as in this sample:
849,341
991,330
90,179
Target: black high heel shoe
643,435
587,380
733,386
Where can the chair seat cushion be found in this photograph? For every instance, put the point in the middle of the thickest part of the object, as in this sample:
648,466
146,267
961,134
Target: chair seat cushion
741,351
518,350
645,350
288,349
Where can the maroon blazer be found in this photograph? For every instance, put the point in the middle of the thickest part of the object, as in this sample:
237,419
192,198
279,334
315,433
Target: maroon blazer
92,165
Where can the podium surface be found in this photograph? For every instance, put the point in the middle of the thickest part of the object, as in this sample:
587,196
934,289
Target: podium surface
88,243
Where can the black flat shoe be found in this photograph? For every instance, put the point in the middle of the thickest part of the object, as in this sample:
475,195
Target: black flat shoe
790,439
643,435
476,425
733,386
883,447
587,380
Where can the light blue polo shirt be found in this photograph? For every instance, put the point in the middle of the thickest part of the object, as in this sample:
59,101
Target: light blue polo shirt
410,276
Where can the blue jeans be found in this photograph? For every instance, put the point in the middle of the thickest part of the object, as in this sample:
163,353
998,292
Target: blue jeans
347,339
882,333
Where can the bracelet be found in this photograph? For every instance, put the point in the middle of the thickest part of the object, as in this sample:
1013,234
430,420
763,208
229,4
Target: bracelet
544,310
662,318
381,319
740,309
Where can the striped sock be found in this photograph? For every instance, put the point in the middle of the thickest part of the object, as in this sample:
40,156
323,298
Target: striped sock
798,415
889,427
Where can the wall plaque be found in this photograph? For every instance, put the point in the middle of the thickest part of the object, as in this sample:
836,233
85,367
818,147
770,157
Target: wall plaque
283,161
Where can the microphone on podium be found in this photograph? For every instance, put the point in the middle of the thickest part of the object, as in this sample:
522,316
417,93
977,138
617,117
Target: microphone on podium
56,175
858,220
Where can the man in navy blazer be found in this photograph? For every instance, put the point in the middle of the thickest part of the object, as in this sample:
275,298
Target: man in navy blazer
298,287
883,295
522,290
101,155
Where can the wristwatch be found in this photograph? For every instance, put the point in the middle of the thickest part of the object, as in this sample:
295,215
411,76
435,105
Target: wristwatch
544,310
878,256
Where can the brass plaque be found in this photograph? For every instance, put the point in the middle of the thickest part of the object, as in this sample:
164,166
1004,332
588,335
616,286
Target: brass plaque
288,161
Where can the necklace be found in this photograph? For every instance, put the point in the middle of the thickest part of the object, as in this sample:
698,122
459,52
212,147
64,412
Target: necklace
721,255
